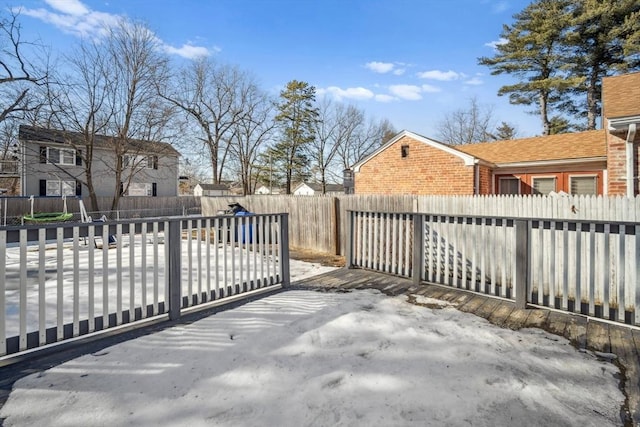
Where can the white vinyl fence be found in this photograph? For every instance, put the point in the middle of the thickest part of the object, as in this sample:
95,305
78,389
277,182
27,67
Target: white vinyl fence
62,281
320,222
587,267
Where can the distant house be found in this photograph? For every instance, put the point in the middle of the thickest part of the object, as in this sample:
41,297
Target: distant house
52,164
590,163
211,190
265,189
311,189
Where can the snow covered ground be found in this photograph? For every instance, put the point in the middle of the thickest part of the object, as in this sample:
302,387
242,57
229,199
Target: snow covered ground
305,358
232,263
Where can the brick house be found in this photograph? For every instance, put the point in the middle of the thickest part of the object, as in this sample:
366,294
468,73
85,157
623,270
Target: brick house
593,162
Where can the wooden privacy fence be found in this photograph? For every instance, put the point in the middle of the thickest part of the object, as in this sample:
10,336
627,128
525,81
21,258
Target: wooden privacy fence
320,222
586,267
66,280
13,208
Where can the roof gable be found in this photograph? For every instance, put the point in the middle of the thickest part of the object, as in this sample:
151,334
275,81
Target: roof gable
468,159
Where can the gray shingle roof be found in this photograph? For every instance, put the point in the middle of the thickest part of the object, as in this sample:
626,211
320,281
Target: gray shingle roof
38,134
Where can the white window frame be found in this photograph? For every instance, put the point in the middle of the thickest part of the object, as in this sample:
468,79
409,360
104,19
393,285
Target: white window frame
68,154
508,178
137,161
534,178
594,177
57,187
139,189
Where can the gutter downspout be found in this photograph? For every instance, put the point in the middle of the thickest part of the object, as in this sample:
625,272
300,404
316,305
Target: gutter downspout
631,134
476,169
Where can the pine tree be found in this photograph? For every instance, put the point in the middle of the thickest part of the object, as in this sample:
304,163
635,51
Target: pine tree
599,32
533,52
297,115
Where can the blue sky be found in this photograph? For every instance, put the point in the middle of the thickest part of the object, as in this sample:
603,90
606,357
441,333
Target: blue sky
410,61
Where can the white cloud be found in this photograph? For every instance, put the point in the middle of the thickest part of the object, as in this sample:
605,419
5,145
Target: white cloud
408,92
399,71
71,7
74,17
91,23
380,67
443,76
494,44
186,51
430,89
357,93
474,81
385,98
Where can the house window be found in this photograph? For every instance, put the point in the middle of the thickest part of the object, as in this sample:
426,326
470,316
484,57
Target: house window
543,186
51,187
508,186
404,151
139,161
141,189
58,156
583,185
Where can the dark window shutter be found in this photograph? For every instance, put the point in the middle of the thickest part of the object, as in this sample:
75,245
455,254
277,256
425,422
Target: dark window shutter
43,154
78,188
79,158
43,187
121,189
155,162
154,189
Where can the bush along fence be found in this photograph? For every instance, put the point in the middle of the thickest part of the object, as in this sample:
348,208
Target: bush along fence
63,281
585,267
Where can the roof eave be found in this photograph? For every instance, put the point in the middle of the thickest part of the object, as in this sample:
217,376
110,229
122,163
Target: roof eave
620,124
555,162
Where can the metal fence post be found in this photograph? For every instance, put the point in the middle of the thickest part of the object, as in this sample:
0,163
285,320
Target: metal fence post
418,248
522,262
284,249
348,255
174,268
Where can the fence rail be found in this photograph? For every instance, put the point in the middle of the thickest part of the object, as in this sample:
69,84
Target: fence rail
586,267
66,280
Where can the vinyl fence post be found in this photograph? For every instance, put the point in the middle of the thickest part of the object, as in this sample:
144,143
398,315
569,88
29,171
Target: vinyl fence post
284,249
418,248
174,268
522,262
348,255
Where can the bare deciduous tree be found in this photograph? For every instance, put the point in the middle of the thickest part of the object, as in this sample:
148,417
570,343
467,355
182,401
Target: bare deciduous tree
363,138
211,95
23,68
250,134
138,69
18,74
339,127
467,125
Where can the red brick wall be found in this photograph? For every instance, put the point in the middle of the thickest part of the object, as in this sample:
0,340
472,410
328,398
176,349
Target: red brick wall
425,171
485,180
616,163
